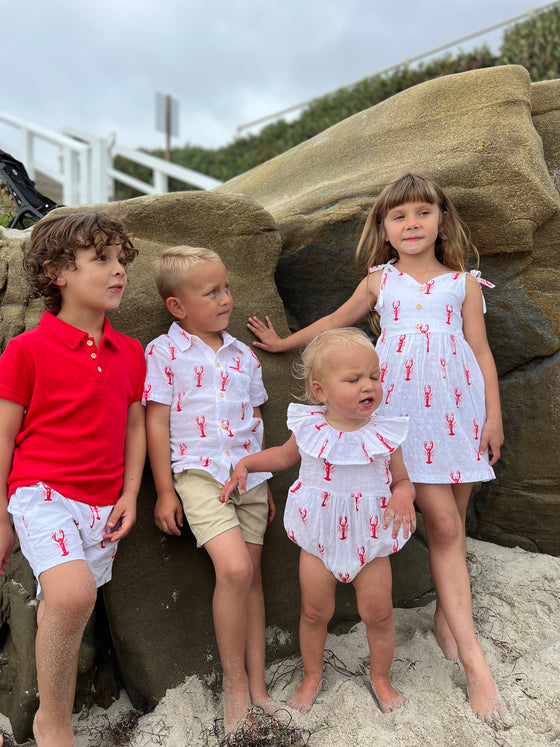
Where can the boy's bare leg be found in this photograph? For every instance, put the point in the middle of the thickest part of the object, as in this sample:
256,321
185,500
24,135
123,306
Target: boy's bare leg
446,544
317,607
373,593
70,593
234,576
255,641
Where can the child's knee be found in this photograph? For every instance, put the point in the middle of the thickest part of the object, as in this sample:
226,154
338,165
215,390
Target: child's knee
445,529
237,573
314,614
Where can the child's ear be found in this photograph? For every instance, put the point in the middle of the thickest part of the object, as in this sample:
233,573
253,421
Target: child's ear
54,272
175,306
318,391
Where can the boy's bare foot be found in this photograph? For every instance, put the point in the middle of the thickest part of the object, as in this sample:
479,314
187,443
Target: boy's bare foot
268,704
303,698
387,697
236,708
486,702
444,636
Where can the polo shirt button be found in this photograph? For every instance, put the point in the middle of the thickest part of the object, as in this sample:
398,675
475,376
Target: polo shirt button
224,426
221,394
218,364
227,453
89,343
420,287
418,325
99,369
418,305
94,355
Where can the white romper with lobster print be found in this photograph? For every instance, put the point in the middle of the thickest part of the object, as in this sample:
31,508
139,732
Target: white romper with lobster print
335,507
429,372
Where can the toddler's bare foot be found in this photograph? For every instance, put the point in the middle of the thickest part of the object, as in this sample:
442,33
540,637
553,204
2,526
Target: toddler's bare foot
304,697
486,702
236,708
387,697
444,636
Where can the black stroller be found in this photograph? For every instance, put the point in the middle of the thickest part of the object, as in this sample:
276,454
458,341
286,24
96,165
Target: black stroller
30,204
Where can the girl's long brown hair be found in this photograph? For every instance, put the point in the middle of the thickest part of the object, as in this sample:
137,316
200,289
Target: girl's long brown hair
454,247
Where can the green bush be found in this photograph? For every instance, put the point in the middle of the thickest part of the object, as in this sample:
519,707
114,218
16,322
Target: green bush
534,43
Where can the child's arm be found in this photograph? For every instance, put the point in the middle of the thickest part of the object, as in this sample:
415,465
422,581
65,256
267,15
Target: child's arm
11,417
474,329
271,505
360,303
123,516
275,459
168,511
400,509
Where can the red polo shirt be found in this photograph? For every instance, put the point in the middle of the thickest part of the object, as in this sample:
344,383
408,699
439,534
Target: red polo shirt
76,398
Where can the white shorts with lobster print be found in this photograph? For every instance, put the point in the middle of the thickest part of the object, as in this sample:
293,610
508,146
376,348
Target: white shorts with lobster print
53,530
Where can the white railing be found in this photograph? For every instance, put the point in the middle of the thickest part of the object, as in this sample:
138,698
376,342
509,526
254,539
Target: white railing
84,165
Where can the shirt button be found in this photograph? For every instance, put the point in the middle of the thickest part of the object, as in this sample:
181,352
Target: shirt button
218,364
99,369
221,394
227,453
418,325
420,287
89,343
418,305
94,355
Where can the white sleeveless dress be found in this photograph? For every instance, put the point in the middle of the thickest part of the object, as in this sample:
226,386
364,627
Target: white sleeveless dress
430,373
335,507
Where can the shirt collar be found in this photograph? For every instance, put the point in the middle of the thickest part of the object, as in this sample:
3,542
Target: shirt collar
71,336
184,340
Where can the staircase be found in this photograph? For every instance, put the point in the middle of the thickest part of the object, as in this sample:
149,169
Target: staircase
74,168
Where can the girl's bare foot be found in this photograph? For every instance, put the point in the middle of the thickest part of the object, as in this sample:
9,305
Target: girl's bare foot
387,697
306,694
444,636
268,704
486,702
57,737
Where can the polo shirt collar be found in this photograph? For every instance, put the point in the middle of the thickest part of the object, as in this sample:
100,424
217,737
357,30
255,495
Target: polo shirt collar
184,340
72,336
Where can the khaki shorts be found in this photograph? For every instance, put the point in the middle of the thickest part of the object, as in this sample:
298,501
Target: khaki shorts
200,492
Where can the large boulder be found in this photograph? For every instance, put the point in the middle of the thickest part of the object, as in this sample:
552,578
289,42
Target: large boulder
490,138
158,605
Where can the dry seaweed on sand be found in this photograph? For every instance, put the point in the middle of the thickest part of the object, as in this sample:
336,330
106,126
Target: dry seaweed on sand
261,729
287,668
8,741
120,732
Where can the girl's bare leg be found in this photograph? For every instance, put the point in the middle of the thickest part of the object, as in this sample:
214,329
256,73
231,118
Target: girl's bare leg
70,593
373,593
446,544
444,636
317,607
234,576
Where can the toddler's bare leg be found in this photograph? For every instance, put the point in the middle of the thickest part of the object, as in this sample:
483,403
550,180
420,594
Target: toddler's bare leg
373,593
70,593
317,607
446,543
234,576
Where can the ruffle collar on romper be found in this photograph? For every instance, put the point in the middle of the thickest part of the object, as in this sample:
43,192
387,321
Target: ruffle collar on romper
314,435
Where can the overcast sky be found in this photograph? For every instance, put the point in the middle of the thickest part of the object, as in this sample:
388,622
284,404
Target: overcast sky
96,65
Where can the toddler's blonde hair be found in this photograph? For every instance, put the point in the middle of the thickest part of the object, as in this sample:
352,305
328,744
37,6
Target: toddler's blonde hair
313,358
172,267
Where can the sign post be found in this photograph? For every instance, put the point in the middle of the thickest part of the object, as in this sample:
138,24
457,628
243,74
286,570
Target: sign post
167,119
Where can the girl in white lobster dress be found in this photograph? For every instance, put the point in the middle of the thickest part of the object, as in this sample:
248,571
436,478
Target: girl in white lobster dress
438,369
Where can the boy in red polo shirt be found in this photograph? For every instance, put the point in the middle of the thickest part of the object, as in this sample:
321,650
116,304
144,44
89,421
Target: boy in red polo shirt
72,442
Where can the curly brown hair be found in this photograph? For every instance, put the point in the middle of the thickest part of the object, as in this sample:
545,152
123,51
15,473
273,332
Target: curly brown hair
54,242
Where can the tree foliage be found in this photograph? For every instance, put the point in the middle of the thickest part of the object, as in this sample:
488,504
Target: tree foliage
534,43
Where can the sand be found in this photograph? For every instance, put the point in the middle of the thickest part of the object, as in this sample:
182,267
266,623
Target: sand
516,605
